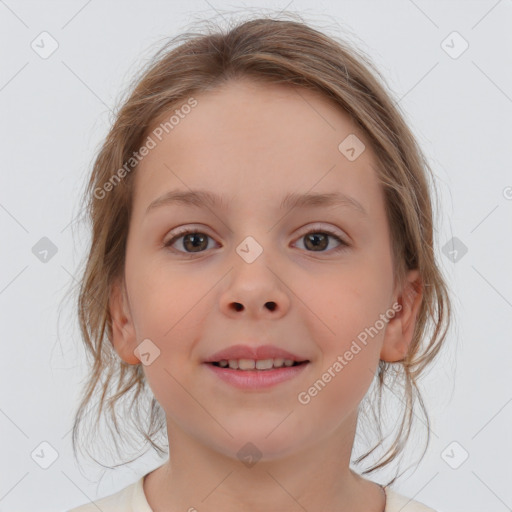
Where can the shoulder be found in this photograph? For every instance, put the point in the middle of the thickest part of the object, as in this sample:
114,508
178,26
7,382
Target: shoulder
129,499
397,503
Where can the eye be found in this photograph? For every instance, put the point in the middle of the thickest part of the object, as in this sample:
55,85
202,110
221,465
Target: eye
318,240
193,241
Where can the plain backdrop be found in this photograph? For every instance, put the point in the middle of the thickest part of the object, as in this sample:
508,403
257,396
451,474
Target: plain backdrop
55,110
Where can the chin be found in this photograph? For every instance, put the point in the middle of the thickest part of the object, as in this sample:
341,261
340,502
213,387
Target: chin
256,444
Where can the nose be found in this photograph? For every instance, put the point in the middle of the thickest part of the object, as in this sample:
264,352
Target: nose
256,291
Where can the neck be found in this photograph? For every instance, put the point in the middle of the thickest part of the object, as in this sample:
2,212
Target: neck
315,479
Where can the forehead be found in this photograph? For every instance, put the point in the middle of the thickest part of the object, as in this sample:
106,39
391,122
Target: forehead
252,139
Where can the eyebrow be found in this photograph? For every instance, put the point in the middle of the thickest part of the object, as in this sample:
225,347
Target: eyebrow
205,198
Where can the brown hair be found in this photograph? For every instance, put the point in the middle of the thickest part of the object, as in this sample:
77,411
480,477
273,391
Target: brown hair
268,50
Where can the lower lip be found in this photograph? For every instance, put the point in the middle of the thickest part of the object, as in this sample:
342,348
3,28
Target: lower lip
257,379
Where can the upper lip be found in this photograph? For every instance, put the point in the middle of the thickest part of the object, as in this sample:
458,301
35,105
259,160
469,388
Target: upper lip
253,352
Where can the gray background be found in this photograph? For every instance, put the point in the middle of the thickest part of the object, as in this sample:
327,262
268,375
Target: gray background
54,113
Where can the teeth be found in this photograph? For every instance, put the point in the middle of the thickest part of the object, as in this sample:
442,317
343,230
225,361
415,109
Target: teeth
251,364
245,364
264,364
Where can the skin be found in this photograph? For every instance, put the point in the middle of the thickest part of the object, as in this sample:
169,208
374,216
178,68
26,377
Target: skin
254,143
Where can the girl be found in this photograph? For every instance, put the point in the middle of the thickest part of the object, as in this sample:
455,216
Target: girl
262,254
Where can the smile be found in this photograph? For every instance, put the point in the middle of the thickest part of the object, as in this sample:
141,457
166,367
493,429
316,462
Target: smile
256,364
251,374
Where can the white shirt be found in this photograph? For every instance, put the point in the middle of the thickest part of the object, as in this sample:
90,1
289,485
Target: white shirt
133,499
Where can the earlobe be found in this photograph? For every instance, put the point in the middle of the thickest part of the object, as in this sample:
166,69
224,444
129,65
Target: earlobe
123,333
400,328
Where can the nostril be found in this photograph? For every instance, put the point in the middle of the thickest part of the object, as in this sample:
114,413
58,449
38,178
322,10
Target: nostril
270,305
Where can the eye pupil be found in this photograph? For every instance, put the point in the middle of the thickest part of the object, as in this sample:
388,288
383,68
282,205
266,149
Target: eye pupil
318,240
196,240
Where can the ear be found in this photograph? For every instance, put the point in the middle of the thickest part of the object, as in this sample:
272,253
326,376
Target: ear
400,328
124,339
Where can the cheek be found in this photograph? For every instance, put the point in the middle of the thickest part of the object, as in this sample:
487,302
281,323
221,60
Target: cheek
168,307
165,309
160,296
348,330
350,300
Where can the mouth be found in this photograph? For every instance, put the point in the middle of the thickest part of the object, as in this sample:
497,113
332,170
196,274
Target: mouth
252,357
256,364
253,368
255,375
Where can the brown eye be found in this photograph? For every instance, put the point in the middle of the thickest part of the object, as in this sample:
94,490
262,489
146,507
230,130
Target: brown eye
189,241
193,242
318,241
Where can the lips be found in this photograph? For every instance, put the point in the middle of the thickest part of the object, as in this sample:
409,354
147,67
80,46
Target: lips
255,353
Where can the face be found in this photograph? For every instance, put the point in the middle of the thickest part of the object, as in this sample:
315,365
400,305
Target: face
310,279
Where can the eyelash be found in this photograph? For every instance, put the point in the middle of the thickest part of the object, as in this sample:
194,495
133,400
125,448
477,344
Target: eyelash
186,231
